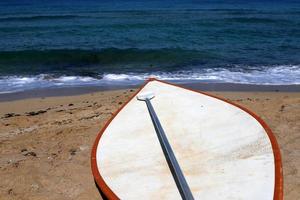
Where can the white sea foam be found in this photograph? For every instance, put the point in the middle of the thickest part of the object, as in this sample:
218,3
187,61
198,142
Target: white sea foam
276,75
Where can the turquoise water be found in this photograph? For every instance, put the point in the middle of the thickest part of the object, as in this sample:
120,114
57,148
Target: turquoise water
52,44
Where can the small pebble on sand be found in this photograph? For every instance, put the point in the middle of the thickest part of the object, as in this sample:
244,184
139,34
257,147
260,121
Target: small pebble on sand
73,151
30,153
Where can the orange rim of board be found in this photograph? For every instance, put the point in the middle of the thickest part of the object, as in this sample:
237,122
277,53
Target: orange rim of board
109,194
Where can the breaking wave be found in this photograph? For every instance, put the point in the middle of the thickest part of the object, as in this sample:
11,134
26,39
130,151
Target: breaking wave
276,75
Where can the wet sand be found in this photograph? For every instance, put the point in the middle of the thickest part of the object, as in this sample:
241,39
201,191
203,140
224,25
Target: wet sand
45,142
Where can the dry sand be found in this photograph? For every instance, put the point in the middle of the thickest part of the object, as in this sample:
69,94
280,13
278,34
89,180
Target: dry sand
45,143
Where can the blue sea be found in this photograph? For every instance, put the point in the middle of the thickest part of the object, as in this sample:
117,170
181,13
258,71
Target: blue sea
46,44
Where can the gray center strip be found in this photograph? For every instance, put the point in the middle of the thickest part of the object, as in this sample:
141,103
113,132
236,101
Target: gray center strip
178,176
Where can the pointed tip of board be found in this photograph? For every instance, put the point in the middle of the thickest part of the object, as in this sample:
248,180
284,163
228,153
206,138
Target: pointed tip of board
152,79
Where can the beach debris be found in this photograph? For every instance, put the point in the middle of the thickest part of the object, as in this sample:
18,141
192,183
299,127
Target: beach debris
120,103
59,132
30,153
8,115
83,147
68,121
71,104
131,90
15,164
35,187
32,113
90,117
10,191
25,152
54,155
282,108
73,151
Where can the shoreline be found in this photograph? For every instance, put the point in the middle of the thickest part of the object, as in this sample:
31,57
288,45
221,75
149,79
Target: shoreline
47,141
79,90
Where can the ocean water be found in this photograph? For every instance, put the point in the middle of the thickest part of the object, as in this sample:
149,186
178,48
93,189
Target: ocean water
78,43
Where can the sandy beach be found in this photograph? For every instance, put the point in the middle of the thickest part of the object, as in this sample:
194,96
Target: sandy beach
67,66
45,142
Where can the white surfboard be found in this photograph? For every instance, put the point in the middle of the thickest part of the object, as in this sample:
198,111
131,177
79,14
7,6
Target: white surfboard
224,150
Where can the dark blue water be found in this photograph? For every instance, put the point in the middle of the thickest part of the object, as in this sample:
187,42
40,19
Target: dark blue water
53,44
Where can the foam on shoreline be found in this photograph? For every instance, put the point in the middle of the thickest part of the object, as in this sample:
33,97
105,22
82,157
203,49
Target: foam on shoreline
277,75
78,90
